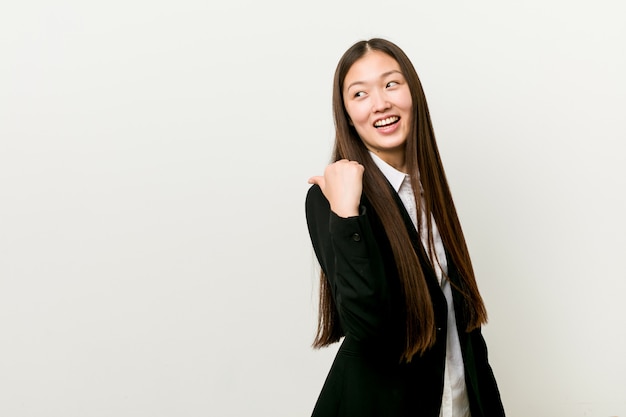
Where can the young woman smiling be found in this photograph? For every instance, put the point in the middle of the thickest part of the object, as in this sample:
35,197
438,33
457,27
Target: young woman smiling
397,283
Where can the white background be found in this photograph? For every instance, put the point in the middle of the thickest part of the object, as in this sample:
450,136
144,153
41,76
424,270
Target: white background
154,258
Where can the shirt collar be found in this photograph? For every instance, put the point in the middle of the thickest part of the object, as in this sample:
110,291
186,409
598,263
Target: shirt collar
395,177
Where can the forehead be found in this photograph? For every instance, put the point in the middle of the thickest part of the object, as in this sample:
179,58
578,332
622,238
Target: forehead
371,67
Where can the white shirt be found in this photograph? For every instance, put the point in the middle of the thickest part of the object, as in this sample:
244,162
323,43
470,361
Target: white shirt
454,402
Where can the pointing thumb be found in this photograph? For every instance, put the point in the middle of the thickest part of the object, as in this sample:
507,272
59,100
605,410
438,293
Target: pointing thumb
318,179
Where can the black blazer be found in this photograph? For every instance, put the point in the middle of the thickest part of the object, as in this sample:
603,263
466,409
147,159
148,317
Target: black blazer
367,378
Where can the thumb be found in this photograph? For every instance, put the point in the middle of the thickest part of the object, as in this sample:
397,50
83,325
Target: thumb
318,179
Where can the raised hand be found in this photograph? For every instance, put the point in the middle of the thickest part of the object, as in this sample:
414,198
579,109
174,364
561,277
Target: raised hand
342,185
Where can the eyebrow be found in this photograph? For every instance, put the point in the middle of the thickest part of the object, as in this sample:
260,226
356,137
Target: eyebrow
383,75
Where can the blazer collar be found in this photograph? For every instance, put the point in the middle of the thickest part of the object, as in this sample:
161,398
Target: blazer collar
415,239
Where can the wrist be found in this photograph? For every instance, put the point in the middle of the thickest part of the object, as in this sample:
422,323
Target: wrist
345,211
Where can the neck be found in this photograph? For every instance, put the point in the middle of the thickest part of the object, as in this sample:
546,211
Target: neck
396,160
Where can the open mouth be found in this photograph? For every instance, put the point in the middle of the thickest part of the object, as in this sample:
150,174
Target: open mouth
386,122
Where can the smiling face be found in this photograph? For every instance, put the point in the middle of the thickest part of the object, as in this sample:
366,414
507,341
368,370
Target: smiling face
378,101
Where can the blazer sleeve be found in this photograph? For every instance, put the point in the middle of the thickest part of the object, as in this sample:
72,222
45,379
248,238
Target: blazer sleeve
488,397
349,256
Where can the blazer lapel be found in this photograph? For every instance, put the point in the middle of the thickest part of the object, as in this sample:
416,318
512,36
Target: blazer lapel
429,272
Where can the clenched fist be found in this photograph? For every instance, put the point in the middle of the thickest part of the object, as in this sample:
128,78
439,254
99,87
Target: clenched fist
342,185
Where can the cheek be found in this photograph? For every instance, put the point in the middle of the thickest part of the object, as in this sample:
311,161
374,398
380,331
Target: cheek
357,114
407,102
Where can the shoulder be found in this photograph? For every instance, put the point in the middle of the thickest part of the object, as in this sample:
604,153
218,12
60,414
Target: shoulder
314,194
315,200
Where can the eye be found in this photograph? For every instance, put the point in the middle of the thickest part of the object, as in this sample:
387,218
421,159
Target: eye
392,84
359,94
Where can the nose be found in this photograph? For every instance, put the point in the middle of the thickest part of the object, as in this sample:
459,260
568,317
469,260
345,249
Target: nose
380,103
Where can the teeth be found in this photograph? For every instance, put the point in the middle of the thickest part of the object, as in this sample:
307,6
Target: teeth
387,121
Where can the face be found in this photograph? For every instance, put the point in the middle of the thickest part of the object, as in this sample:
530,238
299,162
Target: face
378,101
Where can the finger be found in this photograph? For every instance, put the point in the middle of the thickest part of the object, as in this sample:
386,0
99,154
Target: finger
318,179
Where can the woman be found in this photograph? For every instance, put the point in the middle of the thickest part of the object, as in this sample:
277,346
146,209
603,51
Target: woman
397,281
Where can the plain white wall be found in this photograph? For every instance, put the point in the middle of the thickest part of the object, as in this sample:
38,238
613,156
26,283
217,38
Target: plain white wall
154,259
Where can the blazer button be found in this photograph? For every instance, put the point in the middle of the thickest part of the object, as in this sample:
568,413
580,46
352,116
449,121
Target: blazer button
356,237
